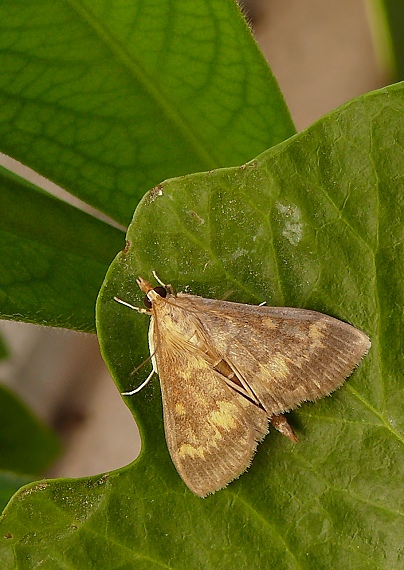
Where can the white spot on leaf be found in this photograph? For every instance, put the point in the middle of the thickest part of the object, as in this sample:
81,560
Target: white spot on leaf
239,252
292,224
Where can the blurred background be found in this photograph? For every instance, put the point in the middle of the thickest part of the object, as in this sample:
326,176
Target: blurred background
322,54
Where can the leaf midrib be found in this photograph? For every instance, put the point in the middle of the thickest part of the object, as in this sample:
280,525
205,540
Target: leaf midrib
379,415
137,71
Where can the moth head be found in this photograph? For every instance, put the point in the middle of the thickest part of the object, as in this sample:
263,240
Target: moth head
159,290
151,291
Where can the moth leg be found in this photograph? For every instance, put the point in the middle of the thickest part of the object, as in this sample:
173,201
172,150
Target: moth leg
142,385
281,424
169,288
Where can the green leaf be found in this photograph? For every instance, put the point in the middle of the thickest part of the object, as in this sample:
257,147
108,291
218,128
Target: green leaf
316,222
53,257
108,99
9,484
386,18
26,444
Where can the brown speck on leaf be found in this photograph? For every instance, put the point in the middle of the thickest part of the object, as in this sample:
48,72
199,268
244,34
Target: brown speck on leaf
197,218
126,248
155,193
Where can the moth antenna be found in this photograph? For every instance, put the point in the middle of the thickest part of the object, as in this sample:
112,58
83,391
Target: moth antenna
168,287
157,279
142,385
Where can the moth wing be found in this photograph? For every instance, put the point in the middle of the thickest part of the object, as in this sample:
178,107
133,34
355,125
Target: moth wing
211,431
285,355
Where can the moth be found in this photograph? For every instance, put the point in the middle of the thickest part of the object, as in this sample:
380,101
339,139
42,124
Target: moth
228,370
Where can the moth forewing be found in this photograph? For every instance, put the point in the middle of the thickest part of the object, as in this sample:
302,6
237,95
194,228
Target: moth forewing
226,369
286,355
211,430
211,436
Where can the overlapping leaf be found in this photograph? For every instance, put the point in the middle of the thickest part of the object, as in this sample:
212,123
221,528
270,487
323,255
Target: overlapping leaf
53,257
109,98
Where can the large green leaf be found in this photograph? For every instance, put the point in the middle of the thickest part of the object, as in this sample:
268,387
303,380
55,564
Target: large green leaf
53,257
110,98
316,222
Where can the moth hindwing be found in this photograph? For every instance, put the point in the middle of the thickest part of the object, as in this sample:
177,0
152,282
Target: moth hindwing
227,370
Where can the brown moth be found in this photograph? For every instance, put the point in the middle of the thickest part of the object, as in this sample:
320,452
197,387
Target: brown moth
227,370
